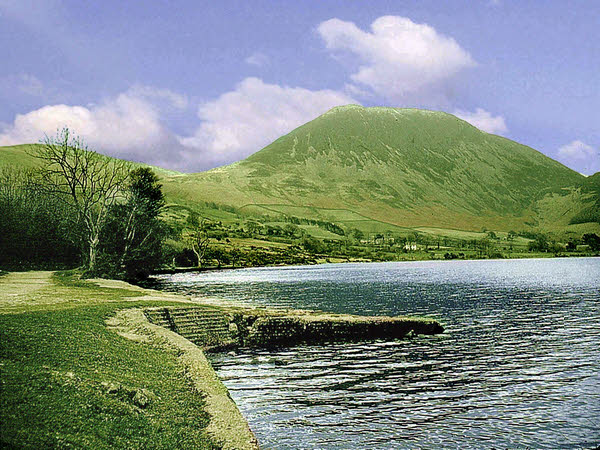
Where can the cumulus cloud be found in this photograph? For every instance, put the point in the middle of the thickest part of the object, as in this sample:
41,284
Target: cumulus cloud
257,59
127,126
580,156
577,150
253,115
131,125
398,59
483,120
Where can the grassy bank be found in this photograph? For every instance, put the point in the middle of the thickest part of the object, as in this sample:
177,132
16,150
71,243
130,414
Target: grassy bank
69,381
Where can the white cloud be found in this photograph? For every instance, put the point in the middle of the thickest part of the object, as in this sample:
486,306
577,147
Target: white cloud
257,59
580,156
577,150
398,58
151,93
127,126
131,124
483,120
253,115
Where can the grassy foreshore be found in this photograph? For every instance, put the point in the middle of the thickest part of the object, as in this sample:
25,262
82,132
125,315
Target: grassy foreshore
69,380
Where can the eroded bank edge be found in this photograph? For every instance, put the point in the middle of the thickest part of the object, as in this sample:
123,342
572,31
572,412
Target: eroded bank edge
227,427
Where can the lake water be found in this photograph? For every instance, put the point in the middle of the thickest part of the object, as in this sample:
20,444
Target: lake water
518,364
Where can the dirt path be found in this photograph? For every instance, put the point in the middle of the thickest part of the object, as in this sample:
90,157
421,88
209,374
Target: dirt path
22,291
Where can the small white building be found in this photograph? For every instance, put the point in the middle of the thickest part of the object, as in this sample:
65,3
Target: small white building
410,246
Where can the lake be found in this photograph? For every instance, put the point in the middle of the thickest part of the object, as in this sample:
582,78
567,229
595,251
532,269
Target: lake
518,364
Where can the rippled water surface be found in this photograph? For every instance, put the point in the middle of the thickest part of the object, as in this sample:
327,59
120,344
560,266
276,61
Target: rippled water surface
518,365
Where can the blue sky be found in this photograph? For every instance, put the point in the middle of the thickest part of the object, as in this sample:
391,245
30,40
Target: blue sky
196,84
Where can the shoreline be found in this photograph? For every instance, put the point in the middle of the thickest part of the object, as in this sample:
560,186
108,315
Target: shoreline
535,256
83,367
227,426
147,375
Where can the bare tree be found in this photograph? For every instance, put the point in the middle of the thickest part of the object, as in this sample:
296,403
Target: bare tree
199,239
91,183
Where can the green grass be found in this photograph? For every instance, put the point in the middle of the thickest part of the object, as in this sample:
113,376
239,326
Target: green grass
401,168
320,233
17,155
57,362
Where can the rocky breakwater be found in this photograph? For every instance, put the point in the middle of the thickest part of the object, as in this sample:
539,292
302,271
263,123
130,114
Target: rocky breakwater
213,327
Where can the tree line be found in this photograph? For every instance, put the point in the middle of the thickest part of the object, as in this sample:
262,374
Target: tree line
80,208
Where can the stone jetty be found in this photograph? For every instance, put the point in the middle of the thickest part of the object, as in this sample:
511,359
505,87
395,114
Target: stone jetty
215,328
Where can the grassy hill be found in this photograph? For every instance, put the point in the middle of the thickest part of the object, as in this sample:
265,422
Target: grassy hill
23,156
404,168
386,170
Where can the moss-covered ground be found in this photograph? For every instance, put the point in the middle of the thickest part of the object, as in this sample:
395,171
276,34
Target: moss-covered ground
68,381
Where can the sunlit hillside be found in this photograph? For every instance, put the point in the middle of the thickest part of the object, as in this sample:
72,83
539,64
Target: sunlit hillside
386,169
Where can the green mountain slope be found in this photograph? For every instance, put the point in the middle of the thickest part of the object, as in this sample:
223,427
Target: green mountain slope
22,156
405,167
381,169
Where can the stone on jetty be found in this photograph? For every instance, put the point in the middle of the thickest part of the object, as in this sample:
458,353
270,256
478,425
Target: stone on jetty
224,327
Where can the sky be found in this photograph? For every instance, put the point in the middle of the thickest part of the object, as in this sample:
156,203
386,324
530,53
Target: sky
194,84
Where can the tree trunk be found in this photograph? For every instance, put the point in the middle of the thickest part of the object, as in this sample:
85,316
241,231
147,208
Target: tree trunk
197,256
93,252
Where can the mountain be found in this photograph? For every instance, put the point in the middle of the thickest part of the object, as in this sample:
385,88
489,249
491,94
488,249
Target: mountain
405,167
380,169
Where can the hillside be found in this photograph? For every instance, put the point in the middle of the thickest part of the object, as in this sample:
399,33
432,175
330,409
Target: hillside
23,156
404,167
386,169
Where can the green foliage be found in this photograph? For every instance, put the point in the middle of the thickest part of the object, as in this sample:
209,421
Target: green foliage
131,243
37,229
540,244
312,245
88,182
356,234
592,240
367,178
80,207
219,255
